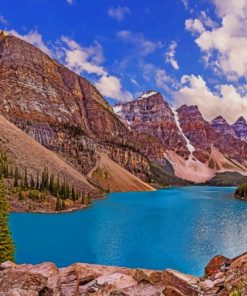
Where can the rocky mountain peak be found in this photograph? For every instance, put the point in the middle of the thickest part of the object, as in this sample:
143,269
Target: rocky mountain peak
148,94
240,120
240,128
220,125
190,111
219,120
152,115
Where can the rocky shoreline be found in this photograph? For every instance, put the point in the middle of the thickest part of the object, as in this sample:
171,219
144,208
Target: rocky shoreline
222,277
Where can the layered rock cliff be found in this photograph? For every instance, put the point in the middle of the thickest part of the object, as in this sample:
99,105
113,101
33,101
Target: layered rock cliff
150,114
240,128
222,277
196,148
62,111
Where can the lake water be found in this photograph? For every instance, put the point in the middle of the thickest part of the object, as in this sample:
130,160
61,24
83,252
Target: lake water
178,228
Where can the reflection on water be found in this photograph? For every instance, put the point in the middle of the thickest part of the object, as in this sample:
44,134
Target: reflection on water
178,228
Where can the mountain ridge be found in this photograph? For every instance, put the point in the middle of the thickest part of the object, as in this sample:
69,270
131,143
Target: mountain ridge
200,139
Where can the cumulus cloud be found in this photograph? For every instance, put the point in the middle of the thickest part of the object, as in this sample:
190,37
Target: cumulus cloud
170,55
200,24
89,60
34,38
110,86
118,13
3,20
83,59
226,101
194,26
224,46
142,45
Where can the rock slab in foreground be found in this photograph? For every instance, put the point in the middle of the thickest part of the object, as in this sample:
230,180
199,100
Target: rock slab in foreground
222,277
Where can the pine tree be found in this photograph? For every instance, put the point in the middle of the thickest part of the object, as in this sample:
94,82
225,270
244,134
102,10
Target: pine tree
37,181
16,177
73,195
6,244
26,179
20,195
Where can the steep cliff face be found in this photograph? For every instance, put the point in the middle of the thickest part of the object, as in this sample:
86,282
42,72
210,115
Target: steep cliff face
196,129
150,114
61,110
240,128
196,148
204,136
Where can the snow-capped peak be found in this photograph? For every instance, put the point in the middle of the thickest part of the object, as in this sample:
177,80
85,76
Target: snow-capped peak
147,94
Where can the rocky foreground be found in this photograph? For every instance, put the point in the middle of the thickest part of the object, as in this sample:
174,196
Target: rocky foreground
222,277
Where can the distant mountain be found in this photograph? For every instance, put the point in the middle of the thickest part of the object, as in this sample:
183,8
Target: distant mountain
196,148
240,128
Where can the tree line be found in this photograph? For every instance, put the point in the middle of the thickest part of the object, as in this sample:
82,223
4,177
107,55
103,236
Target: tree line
7,248
40,186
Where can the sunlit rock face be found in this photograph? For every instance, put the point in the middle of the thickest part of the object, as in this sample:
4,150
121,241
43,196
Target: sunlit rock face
187,134
150,114
222,277
62,110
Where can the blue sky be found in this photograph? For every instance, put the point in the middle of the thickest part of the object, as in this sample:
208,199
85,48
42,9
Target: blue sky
193,52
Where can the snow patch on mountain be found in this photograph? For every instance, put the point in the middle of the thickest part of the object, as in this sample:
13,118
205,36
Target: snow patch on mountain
190,147
147,94
118,109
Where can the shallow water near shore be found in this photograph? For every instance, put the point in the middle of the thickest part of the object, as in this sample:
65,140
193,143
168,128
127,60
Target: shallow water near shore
177,228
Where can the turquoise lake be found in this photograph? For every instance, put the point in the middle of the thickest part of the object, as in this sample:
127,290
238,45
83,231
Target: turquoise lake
178,228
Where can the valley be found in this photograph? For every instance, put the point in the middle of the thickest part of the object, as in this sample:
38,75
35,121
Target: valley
139,184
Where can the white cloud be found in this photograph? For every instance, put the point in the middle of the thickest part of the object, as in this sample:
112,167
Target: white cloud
110,86
34,38
170,55
237,8
119,12
160,77
227,101
194,26
224,46
82,59
89,60
207,21
3,20
164,81
142,45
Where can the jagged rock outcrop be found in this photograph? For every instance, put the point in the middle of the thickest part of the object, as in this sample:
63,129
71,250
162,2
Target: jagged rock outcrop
196,148
150,114
204,136
222,277
62,111
196,129
240,128
222,126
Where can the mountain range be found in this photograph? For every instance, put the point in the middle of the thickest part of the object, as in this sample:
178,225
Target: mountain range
55,119
196,149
